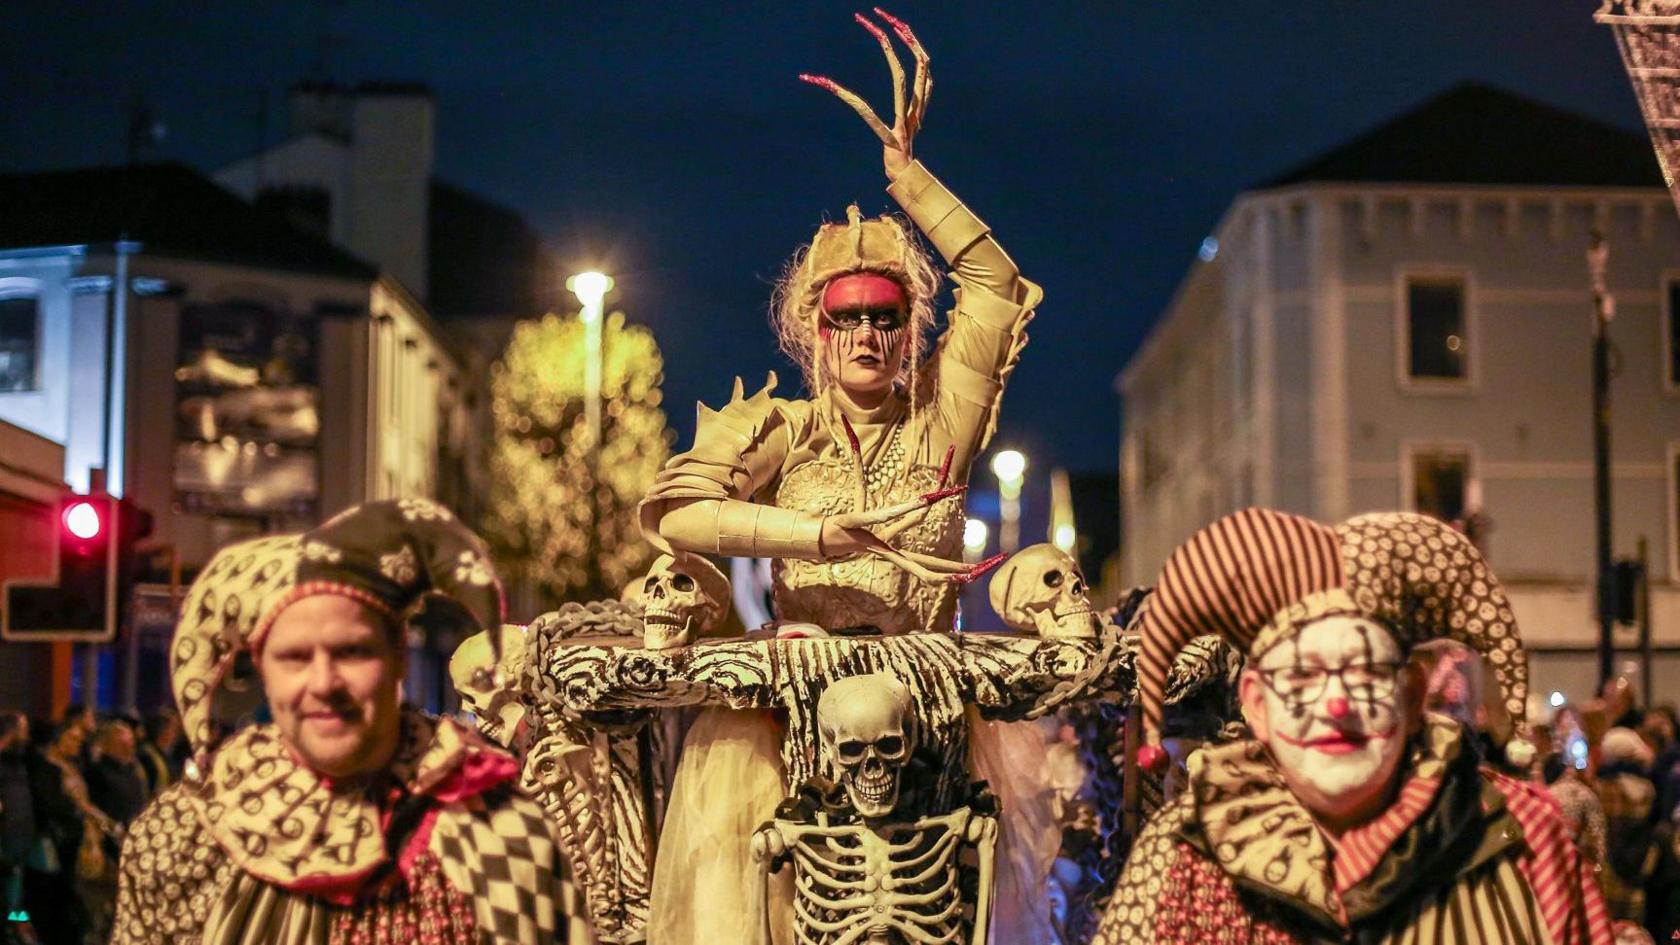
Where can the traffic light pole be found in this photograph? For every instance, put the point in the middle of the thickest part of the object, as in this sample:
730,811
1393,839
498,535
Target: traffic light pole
1604,309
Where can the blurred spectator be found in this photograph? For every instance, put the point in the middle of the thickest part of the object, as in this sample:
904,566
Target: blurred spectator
1625,790
159,751
17,816
68,825
1583,812
116,779
1621,702
1659,732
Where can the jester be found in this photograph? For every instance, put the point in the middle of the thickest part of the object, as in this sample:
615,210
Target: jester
1351,815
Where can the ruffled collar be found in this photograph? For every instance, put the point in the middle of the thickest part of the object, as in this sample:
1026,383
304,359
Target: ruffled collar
1245,817
283,823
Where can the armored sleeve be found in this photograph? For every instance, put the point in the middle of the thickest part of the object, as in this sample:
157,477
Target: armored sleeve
701,500
987,326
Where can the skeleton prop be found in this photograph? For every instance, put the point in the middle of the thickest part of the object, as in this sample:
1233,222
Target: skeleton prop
489,687
1041,589
859,875
682,598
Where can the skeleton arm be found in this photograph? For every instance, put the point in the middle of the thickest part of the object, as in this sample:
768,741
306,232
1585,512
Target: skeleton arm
767,845
982,832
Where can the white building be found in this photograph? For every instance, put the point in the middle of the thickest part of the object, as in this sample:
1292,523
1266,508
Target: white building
230,373
1406,323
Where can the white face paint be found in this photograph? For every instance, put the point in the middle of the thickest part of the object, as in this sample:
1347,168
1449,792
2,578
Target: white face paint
1333,707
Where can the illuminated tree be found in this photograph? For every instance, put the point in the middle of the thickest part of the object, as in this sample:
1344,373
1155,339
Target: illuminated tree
552,524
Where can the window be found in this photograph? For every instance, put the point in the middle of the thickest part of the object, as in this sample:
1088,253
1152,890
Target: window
1437,343
1674,510
1440,482
1671,337
20,343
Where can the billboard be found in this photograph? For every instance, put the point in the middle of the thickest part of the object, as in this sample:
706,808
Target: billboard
247,411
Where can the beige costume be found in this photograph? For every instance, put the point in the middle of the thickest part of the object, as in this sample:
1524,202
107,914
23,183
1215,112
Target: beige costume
764,471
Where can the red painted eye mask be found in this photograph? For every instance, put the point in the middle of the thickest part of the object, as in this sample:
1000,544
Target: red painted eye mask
850,299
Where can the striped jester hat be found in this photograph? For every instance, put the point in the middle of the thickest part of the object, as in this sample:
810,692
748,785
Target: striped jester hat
1257,576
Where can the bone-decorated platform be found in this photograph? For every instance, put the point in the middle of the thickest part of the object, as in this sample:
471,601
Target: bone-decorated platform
1006,676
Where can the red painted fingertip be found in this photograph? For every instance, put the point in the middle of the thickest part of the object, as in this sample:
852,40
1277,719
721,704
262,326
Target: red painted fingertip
1152,758
874,30
851,435
945,493
945,467
990,563
821,80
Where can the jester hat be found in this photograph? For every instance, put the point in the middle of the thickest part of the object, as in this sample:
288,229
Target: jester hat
1257,576
394,556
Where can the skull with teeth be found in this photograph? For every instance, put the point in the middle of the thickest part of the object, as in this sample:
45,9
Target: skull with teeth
681,598
488,688
1041,589
864,742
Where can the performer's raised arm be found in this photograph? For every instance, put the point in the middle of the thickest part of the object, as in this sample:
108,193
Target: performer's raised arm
986,329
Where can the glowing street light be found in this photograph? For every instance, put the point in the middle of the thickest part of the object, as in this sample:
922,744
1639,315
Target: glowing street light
591,289
1010,468
975,534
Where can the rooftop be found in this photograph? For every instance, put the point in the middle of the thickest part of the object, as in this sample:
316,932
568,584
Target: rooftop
1477,134
168,208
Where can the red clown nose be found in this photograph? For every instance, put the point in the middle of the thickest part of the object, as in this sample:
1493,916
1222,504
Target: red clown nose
863,290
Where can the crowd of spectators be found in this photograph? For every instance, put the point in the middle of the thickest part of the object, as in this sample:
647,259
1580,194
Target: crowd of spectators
1614,768
68,789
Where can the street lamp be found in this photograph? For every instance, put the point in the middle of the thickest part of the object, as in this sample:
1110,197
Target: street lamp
1010,468
591,289
975,535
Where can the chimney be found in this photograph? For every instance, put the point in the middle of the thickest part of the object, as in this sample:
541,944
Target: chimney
390,178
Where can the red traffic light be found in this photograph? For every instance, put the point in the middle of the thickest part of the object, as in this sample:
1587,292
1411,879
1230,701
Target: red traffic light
82,519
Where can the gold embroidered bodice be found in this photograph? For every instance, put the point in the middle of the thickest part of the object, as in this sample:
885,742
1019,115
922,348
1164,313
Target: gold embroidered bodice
867,591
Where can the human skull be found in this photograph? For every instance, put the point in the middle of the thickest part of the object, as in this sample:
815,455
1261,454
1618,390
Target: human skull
488,688
681,599
1042,589
862,723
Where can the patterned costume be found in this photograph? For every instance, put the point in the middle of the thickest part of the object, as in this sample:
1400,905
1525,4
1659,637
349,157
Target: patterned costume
255,846
1461,854
772,468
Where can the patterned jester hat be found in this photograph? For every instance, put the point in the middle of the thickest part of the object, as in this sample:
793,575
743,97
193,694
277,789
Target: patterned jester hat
393,556
1257,576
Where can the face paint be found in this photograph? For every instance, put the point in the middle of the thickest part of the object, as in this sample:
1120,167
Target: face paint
863,331
1334,712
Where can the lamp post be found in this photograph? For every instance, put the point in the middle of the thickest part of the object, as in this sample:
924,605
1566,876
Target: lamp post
591,289
1010,467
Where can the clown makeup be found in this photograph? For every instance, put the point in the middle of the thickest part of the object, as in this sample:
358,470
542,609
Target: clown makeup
862,333
1334,707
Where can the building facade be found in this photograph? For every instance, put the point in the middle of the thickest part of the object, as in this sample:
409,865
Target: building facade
231,374
1407,323
34,678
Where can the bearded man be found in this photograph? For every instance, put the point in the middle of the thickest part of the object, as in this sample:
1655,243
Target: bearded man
1351,815
352,818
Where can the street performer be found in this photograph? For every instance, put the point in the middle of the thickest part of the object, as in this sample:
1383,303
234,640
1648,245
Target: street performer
1351,815
851,490
351,818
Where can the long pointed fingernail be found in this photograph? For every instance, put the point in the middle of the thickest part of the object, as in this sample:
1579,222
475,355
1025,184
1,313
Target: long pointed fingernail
975,571
820,80
945,467
874,30
851,434
946,493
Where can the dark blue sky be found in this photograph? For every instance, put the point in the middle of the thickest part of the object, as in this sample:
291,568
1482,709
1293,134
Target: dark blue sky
672,144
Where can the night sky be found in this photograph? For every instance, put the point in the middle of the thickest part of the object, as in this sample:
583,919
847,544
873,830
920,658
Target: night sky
671,144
